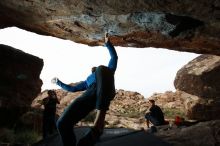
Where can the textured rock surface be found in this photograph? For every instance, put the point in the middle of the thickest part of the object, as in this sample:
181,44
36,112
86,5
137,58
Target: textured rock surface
200,77
19,82
200,108
192,26
169,99
201,134
200,81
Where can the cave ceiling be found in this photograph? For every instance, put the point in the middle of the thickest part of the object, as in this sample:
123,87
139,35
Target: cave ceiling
191,26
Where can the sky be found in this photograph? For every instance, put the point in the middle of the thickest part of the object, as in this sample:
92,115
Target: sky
143,70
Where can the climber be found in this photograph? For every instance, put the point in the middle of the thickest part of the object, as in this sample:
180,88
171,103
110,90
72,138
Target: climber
99,91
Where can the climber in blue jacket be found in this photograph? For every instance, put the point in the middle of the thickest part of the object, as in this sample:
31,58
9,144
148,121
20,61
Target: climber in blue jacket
99,91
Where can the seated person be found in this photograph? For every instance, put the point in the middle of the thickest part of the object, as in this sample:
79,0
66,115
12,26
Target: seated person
155,115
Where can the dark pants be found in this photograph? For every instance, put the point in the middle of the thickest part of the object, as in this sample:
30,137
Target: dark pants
81,107
152,119
76,111
105,87
49,125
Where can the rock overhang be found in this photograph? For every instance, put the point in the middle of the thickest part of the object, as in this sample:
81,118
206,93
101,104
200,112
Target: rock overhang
192,26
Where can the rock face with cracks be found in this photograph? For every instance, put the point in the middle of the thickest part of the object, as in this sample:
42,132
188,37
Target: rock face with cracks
200,79
192,26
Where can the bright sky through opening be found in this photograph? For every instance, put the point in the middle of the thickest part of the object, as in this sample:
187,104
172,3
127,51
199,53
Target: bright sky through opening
145,70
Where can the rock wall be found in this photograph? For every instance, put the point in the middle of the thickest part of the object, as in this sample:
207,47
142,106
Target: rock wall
201,81
192,26
19,82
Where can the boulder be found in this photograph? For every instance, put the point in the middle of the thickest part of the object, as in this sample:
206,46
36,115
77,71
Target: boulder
200,81
199,108
19,83
200,77
201,134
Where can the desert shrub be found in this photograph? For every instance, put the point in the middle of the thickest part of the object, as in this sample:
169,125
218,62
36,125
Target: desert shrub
171,113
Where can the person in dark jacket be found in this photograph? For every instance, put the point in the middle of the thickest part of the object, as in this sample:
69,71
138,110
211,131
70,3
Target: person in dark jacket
49,115
99,91
155,115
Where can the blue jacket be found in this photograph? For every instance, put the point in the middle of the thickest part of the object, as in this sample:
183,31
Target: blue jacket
91,78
